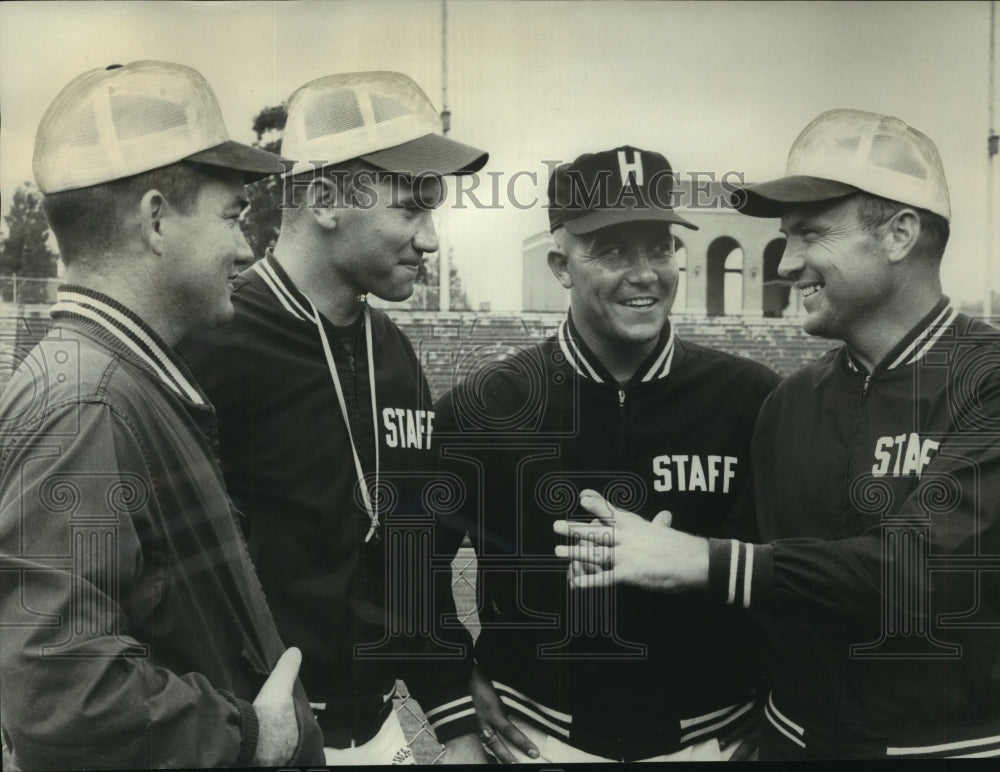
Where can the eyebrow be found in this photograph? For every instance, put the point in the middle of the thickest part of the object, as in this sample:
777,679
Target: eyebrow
423,200
795,226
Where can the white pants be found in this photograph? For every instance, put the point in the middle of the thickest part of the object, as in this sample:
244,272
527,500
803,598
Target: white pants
554,751
389,746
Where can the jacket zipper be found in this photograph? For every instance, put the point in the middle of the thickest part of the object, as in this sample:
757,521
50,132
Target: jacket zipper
350,355
866,384
621,422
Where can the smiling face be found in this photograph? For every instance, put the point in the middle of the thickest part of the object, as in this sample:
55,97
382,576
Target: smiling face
383,238
622,281
839,267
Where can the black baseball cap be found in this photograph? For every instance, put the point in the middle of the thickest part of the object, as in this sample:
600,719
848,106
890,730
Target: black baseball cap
625,184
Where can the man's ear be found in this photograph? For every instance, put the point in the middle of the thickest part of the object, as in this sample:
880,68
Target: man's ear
153,209
901,234
324,200
559,265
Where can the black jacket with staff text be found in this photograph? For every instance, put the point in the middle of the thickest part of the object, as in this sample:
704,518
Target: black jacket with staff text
879,496
289,467
621,673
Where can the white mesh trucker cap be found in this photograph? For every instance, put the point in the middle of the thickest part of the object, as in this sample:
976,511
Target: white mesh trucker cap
383,118
845,151
120,120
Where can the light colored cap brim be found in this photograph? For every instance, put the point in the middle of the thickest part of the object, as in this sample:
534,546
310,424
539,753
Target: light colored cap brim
254,163
769,199
429,154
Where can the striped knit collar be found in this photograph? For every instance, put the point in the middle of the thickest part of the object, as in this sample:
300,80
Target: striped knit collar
132,333
917,342
586,363
274,276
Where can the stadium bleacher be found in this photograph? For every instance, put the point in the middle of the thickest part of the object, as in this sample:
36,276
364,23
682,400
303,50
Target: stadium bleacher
451,344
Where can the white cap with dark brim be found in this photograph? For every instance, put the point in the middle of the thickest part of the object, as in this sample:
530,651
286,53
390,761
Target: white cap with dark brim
382,118
117,121
842,152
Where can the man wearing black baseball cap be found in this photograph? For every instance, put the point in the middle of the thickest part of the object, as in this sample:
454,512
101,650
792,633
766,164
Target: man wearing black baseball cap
614,400
135,631
876,467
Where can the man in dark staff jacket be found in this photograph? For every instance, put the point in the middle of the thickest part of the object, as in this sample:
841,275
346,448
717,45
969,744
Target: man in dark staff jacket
615,399
326,420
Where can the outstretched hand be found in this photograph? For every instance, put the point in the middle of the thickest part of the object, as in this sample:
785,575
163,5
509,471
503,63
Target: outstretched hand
620,546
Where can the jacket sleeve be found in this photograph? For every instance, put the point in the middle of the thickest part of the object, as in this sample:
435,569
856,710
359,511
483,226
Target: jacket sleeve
910,564
441,684
78,689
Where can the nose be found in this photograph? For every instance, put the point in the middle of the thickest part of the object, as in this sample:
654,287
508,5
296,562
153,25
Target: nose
425,239
641,267
244,254
792,261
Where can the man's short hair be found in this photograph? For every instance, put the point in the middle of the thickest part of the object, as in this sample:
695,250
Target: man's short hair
875,211
342,174
91,220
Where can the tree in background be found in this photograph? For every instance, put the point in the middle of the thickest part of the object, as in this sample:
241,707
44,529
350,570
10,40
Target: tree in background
426,290
262,221
24,249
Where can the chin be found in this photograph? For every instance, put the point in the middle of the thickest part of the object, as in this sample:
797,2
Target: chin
818,327
395,295
222,317
645,332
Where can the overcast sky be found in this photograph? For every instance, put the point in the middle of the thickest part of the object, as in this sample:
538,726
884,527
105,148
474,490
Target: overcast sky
715,86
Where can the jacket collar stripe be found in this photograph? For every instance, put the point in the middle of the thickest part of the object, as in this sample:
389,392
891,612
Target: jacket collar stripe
931,328
281,292
661,367
945,324
669,362
132,333
577,357
574,355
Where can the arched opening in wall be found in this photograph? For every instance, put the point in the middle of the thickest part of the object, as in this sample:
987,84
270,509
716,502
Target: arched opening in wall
680,257
774,298
724,277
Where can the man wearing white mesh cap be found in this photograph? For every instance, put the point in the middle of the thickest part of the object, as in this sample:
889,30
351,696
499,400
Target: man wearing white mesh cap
135,631
326,420
876,468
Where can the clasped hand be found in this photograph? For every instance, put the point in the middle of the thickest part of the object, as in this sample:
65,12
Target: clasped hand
620,546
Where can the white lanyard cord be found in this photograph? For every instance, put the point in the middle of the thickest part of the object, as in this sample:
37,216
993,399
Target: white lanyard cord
332,366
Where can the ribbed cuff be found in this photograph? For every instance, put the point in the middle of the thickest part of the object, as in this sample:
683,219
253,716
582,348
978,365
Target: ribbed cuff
739,573
249,729
453,719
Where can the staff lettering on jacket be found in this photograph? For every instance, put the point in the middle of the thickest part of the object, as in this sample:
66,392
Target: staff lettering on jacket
688,472
905,453
408,428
